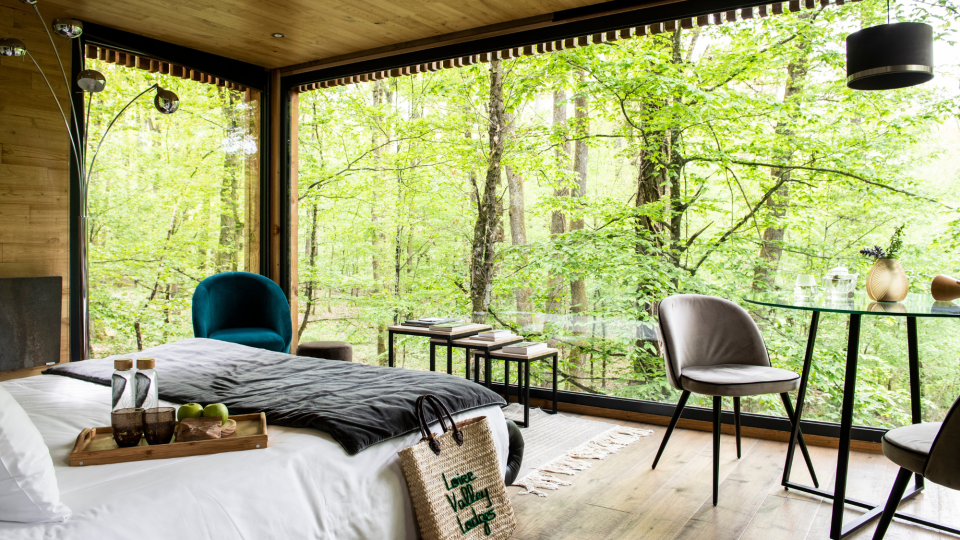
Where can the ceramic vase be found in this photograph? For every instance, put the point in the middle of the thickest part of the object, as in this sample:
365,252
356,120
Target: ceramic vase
887,282
945,288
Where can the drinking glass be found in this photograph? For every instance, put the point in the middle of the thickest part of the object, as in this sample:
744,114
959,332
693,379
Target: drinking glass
127,426
806,287
158,424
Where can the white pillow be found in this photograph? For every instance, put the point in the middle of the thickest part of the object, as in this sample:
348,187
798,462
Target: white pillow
28,484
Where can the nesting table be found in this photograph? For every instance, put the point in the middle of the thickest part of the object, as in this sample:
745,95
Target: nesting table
467,344
523,375
914,306
447,338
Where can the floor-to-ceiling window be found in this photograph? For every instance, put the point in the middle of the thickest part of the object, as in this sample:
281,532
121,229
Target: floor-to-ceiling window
173,199
717,160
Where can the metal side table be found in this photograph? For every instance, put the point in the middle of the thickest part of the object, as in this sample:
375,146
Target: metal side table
447,337
523,375
468,344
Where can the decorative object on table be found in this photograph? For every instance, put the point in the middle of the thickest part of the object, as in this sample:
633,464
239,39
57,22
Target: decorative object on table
198,429
927,450
30,317
454,478
327,350
525,347
945,288
839,283
427,322
216,410
495,335
244,308
806,287
159,424
148,396
889,56
88,81
30,493
886,281
95,446
712,347
127,426
189,410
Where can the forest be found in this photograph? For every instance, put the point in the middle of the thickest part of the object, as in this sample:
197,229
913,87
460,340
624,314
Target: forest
563,195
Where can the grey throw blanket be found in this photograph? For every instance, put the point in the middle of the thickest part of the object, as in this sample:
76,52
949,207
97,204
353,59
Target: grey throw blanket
359,405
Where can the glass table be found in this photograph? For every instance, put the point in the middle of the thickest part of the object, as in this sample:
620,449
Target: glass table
915,305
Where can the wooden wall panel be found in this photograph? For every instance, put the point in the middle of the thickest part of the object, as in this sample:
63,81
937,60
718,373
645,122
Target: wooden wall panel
34,160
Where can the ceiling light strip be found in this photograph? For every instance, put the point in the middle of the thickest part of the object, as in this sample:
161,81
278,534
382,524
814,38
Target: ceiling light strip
732,16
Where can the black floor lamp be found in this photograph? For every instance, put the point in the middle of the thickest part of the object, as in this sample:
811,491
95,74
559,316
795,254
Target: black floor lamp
89,81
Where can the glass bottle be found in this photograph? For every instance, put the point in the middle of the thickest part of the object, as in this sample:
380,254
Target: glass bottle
124,384
147,391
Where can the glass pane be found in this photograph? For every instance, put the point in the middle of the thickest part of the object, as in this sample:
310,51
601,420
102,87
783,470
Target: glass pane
173,199
564,195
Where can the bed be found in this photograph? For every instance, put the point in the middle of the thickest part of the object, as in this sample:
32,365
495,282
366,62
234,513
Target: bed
305,485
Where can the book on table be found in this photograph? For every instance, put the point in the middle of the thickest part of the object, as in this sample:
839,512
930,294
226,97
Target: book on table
450,327
427,322
495,335
525,348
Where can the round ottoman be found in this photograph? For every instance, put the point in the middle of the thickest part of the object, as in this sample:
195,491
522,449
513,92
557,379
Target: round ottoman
329,350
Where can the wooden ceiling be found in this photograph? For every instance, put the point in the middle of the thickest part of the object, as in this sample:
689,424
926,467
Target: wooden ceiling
314,29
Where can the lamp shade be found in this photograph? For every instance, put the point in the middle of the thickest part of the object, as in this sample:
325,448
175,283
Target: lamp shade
68,28
12,47
91,80
890,56
166,101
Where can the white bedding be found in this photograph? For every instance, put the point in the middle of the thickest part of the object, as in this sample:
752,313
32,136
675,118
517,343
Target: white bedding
303,486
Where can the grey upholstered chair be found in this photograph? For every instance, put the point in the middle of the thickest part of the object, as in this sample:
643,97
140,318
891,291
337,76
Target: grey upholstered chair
712,347
930,450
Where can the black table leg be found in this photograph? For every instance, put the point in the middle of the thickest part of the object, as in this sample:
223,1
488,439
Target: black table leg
449,356
556,360
466,363
526,391
487,369
801,394
916,406
390,348
506,380
846,425
433,356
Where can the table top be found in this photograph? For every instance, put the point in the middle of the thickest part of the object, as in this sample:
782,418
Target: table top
475,343
499,354
915,305
422,330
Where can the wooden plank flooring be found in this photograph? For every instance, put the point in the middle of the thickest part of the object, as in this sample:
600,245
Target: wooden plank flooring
622,497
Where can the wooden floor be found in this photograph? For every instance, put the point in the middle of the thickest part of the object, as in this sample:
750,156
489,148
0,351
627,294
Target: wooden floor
621,497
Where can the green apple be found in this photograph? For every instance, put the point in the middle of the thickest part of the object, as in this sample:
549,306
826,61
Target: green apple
216,409
190,410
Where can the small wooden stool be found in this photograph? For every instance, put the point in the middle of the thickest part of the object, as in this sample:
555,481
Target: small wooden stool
328,350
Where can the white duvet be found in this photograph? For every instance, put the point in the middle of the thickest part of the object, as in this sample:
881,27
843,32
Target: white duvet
303,486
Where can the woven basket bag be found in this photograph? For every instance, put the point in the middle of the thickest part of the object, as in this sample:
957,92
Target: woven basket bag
454,479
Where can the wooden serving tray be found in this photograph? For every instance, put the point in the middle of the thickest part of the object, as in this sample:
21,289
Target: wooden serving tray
95,446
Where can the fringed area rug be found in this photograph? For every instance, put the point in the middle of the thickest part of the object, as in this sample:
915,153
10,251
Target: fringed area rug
557,444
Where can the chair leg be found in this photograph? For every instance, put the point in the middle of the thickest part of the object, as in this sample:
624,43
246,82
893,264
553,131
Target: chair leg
899,486
673,423
736,421
717,403
803,445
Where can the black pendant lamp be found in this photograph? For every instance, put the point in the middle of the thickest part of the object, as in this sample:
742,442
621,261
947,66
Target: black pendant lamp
889,56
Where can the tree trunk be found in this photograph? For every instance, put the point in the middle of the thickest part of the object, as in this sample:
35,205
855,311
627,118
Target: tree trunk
558,221
488,230
376,236
312,257
771,247
578,287
518,229
231,229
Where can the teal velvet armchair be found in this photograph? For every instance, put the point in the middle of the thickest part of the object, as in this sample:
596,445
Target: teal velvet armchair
243,308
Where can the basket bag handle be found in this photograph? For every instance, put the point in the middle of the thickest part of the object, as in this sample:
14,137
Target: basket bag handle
439,410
